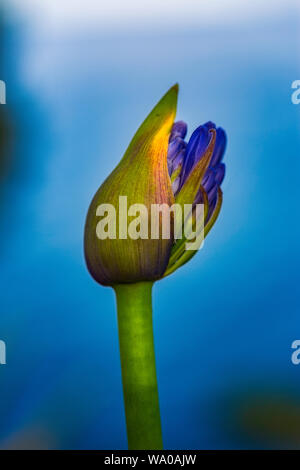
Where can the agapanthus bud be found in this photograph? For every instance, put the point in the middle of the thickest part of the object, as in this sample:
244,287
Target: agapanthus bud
158,169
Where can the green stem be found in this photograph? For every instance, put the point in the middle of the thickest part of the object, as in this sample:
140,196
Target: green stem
134,305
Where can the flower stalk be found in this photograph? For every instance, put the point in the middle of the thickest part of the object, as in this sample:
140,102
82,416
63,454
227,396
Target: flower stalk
134,306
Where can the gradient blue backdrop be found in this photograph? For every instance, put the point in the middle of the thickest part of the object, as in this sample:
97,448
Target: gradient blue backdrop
225,322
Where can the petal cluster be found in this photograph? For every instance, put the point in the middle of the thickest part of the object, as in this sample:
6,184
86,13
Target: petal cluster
197,172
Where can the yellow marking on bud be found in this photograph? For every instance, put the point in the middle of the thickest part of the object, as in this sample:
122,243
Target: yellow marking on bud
159,140
176,173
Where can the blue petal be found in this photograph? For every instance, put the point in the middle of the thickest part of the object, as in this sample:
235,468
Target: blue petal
210,125
220,146
212,205
179,129
209,179
195,150
220,173
176,147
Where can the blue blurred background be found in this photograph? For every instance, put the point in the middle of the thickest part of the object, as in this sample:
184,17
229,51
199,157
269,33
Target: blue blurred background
80,79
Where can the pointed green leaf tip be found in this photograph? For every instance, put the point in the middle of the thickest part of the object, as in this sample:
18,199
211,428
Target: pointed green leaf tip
142,176
158,124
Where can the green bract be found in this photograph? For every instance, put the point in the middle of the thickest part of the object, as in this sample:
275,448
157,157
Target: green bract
142,176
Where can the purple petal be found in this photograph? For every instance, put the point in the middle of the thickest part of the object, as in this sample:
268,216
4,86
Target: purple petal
195,150
179,129
176,147
212,206
210,125
212,193
220,173
209,179
212,180
220,146
178,160
175,186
